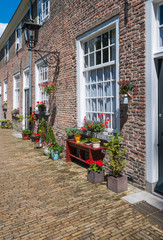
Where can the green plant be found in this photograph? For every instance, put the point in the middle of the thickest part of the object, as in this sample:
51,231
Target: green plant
98,126
7,125
77,134
116,155
41,105
50,135
94,139
4,120
48,87
43,128
54,146
4,103
95,166
125,86
36,135
71,131
26,131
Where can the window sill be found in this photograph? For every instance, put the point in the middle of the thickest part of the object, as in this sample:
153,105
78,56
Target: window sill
38,113
101,135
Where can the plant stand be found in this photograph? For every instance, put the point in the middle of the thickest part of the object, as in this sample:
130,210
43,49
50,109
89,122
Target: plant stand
117,184
95,177
82,152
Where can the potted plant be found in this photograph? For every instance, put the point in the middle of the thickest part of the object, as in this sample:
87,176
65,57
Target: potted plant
49,138
55,149
3,122
26,134
77,137
8,125
49,87
43,131
98,126
32,118
70,132
4,105
117,182
41,107
95,142
15,111
36,136
125,89
95,171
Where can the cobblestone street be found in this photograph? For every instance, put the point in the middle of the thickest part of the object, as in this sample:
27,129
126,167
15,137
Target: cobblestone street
45,199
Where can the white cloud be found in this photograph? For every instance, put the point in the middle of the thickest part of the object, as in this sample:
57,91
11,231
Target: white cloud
2,28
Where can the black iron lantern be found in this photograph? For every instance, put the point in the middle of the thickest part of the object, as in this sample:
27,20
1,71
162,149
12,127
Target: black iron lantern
31,33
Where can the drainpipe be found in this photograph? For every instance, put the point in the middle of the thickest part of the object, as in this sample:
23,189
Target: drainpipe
30,79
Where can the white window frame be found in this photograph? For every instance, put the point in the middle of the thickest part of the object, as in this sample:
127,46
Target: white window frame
16,91
5,90
7,51
0,88
114,23
38,89
18,37
40,9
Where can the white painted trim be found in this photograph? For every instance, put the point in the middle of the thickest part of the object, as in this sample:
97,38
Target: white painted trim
80,86
14,76
23,103
151,97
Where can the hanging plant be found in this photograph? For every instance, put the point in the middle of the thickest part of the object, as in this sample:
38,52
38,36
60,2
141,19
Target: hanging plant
49,87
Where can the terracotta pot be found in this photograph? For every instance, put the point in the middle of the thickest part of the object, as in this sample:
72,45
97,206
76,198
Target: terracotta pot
96,144
95,177
77,139
117,184
25,136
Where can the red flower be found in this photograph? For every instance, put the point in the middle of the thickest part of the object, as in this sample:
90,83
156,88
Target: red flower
99,163
52,85
18,108
102,113
31,115
37,101
106,126
11,123
99,116
85,118
50,143
92,123
33,112
84,128
103,125
87,161
92,162
108,119
89,126
106,122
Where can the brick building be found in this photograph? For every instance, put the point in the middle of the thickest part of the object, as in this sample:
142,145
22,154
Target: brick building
99,43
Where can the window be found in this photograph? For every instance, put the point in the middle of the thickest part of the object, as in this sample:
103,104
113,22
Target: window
97,71
16,90
43,10
7,52
161,25
0,89
41,78
26,79
5,90
18,38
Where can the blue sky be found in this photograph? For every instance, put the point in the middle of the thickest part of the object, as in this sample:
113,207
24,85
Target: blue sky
7,9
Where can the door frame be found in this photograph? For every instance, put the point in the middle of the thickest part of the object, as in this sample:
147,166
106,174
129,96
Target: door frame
24,88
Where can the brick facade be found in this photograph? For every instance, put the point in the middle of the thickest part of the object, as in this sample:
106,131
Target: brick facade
68,20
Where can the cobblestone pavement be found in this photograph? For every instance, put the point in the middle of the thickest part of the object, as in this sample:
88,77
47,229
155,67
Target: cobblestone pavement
45,199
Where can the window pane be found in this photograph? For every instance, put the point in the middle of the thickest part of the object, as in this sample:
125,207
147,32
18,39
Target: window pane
91,45
94,117
94,91
112,36
88,91
161,14
98,57
113,121
113,89
86,61
100,90
108,105
92,60
113,72
107,73
100,75
88,115
113,105
98,42
93,76
105,55
161,36
105,39
85,47
100,105
112,53
94,105
107,89
88,105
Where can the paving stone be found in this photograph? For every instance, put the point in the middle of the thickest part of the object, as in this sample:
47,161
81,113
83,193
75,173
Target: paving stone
42,199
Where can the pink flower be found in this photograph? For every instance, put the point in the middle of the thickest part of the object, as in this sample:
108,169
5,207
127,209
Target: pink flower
37,101
92,123
85,118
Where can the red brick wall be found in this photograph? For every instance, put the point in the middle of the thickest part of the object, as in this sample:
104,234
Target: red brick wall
68,20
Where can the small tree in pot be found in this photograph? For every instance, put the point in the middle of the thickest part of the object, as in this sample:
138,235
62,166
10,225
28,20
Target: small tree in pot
117,182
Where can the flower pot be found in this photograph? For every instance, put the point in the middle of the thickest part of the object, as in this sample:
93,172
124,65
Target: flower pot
15,111
124,98
25,136
46,151
42,110
96,144
117,184
77,139
4,107
54,155
95,177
